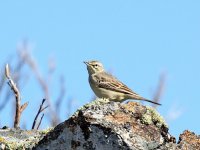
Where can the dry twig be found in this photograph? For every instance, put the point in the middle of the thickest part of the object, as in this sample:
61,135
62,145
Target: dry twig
19,108
40,121
16,78
160,89
41,109
26,56
61,96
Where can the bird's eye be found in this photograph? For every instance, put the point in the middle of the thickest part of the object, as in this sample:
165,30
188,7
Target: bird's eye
95,65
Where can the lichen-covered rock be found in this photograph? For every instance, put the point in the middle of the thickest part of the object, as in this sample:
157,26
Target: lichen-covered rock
107,126
16,139
103,126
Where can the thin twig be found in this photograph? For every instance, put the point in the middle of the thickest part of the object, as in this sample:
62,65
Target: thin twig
40,121
44,108
19,108
61,96
39,111
160,89
24,54
24,106
16,78
2,74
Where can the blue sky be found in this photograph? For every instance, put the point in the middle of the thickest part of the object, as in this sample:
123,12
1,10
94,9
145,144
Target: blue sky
137,40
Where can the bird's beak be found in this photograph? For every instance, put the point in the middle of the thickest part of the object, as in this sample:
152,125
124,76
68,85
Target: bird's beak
85,62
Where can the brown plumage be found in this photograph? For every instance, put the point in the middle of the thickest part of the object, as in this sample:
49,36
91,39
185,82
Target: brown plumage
105,85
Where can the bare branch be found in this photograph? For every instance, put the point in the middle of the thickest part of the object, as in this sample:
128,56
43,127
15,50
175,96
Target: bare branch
44,108
39,111
160,89
7,71
26,56
16,92
3,78
24,106
16,78
61,96
40,121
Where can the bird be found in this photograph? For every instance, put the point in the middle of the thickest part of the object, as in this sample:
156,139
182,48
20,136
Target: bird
105,85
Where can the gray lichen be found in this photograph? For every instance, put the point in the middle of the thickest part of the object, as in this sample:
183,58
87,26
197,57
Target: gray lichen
96,102
20,139
153,117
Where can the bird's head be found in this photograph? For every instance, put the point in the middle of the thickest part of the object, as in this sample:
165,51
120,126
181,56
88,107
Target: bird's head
94,67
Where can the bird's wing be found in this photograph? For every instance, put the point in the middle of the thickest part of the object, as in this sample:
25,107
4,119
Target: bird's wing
107,81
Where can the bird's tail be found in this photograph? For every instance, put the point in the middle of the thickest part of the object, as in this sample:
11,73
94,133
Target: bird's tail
151,101
138,97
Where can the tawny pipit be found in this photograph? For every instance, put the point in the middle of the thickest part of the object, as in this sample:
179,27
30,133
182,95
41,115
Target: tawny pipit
107,86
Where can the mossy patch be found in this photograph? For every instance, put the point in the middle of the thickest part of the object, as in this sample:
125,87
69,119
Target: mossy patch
97,102
153,117
45,131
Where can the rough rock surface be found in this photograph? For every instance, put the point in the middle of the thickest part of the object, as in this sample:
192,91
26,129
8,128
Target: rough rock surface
19,139
188,140
113,126
110,126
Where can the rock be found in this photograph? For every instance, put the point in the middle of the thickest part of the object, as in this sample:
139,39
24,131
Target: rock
103,125
188,140
19,139
107,126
